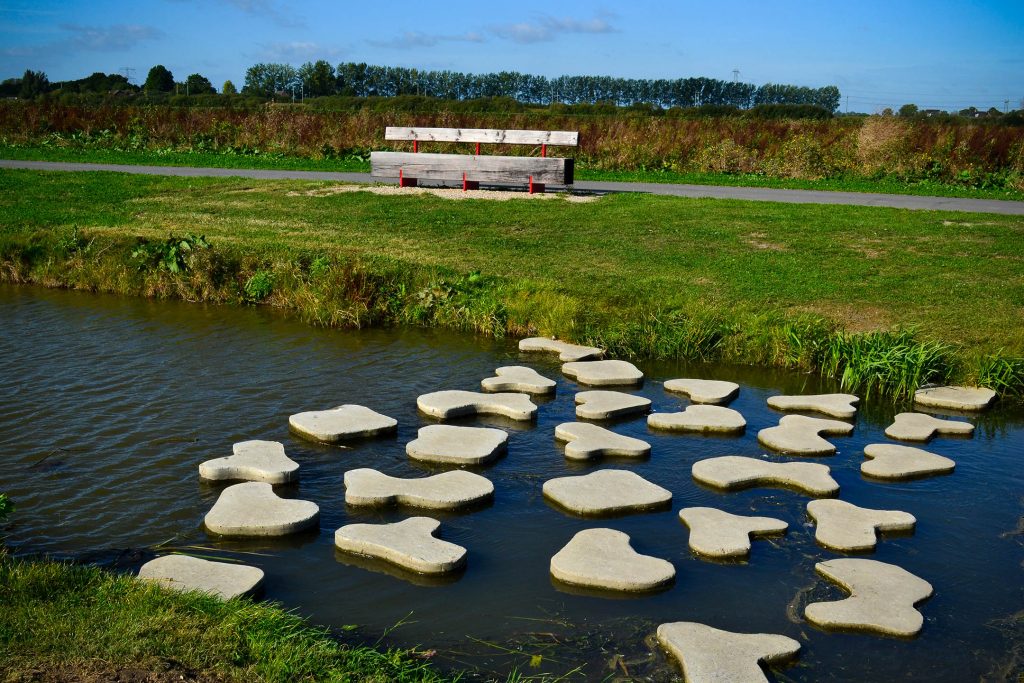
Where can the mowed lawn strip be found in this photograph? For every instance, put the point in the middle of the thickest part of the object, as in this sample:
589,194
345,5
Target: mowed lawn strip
958,278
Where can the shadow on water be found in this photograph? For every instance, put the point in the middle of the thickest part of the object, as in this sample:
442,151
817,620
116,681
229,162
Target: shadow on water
131,395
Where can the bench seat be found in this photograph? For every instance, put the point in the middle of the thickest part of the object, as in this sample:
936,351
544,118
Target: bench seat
496,170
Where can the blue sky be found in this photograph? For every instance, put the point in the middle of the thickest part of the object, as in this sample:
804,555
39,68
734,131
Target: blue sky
945,54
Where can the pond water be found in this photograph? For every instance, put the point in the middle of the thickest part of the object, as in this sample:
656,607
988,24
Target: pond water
110,404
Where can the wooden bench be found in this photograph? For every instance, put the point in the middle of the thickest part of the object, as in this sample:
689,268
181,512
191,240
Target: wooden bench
471,170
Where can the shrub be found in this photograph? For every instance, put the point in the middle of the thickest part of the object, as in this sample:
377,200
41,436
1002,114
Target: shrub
259,286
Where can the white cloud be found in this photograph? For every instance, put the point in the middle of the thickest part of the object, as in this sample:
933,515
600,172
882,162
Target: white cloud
548,28
110,38
297,51
414,39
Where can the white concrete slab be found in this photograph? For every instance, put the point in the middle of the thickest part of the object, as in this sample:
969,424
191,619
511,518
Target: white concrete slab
892,462
455,445
708,419
445,405
955,398
734,472
704,390
604,559
882,598
710,655
801,435
921,427
410,544
184,573
585,441
719,534
446,491
835,405
599,373
518,378
341,423
848,528
606,492
252,461
566,352
605,405
253,509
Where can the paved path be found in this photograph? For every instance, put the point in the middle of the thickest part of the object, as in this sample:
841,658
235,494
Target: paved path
757,194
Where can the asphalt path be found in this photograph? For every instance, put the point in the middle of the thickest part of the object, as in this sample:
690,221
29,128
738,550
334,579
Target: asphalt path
756,194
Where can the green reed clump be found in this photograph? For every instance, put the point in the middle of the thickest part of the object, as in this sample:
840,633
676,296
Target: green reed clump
1002,374
893,363
662,334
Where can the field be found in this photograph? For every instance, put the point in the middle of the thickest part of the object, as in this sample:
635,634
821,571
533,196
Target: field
912,296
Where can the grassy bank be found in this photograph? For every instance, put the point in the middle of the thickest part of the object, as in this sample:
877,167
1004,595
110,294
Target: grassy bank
359,164
69,622
884,299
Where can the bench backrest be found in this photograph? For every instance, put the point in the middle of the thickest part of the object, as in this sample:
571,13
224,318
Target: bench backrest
491,135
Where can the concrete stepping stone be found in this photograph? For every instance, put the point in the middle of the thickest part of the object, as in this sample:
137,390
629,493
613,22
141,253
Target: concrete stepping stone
882,598
604,559
518,378
184,573
585,441
341,423
606,492
253,509
599,373
445,491
836,405
410,544
955,398
720,534
710,655
605,405
704,390
252,461
921,427
448,404
848,528
566,352
733,472
801,435
700,418
454,445
890,461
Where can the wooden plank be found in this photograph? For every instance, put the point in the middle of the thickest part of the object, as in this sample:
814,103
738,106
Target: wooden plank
497,170
491,135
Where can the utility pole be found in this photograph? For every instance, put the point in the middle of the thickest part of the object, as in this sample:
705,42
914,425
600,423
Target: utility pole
1006,105
129,73
847,104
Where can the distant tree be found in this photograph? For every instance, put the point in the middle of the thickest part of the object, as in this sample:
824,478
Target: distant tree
33,84
268,79
908,110
10,87
159,79
197,84
317,78
970,112
992,111
229,88
887,111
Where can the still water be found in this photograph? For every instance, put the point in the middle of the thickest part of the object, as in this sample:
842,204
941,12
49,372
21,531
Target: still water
108,405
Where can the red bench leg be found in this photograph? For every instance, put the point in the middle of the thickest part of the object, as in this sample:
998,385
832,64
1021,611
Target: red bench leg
405,182
536,187
469,184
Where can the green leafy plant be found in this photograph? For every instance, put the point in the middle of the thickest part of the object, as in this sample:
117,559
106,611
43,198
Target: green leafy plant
259,286
6,506
1002,374
172,254
319,267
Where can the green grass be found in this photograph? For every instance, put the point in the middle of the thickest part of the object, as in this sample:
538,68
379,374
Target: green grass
885,185
882,298
69,617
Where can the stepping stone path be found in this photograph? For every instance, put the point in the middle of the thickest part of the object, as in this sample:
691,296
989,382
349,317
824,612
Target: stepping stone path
448,404
445,491
836,405
719,534
903,462
185,573
700,418
518,378
604,559
921,427
586,441
604,373
606,492
704,390
955,398
800,435
709,655
253,461
253,509
731,472
566,352
605,405
410,544
341,423
453,445
848,528
882,598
